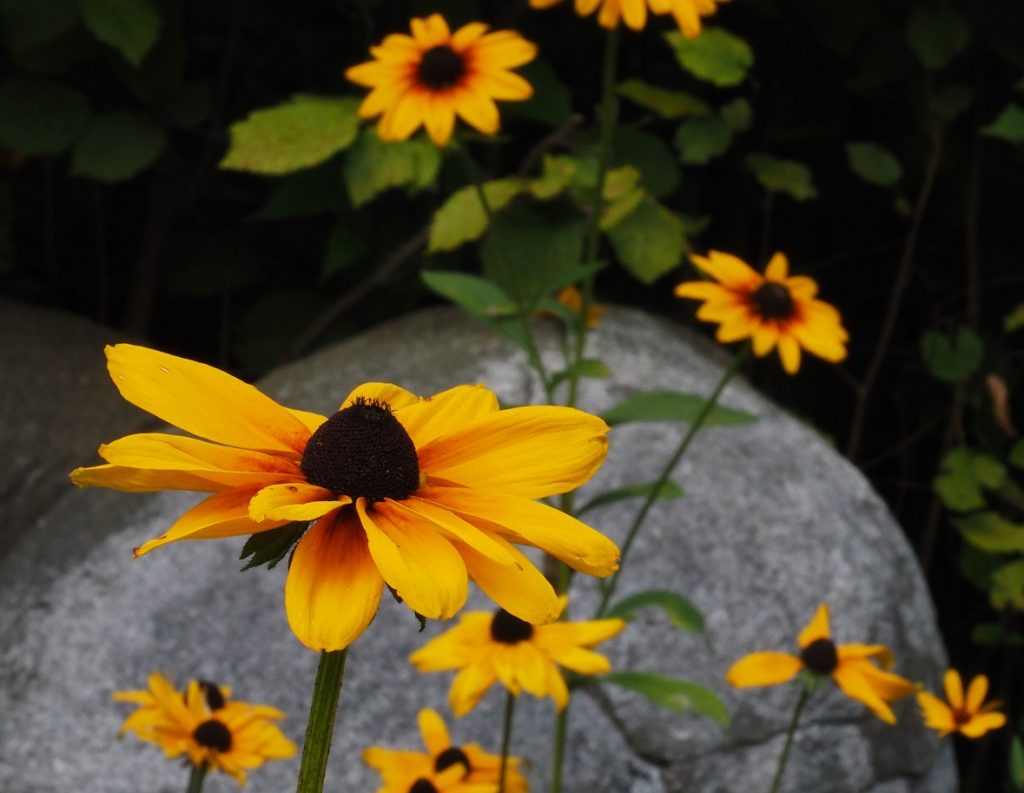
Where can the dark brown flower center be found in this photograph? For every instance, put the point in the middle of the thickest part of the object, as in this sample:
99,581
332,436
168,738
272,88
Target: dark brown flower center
508,629
214,699
422,786
820,656
213,734
440,67
363,450
772,301
449,757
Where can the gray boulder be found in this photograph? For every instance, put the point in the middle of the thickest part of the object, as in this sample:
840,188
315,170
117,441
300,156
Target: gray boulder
773,523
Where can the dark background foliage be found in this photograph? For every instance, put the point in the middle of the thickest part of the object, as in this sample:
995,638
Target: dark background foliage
112,124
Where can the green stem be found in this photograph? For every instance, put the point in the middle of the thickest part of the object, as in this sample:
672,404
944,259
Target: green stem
558,751
320,728
195,779
506,739
805,693
609,589
606,130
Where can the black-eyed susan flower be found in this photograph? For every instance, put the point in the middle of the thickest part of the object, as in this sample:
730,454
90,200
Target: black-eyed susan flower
687,13
434,75
473,766
853,667
420,494
233,737
967,714
773,310
488,647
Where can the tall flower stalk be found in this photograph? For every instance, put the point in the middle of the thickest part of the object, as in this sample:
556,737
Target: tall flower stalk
323,709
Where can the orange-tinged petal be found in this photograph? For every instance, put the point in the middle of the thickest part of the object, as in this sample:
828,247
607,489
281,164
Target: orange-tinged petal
141,480
817,628
730,271
294,501
954,688
982,723
763,669
533,451
521,589
455,528
203,400
333,586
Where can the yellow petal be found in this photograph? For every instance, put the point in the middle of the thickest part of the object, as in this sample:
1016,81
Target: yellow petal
434,732
508,86
778,268
557,688
392,395
140,480
879,652
333,587
469,685
467,34
478,110
428,419
634,13
203,400
888,686
439,119
453,527
763,669
982,723
730,271
527,451
294,501
585,662
937,715
850,678
585,634
789,352
817,628
504,49
954,688
456,646
526,522
415,560
702,290
520,588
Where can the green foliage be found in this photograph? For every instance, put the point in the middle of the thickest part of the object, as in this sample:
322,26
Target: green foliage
551,102
623,192
995,635
373,166
669,490
680,611
1008,586
649,241
673,406
964,475
270,547
1008,125
738,115
782,176
672,693
1015,319
462,218
991,532
873,163
651,156
702,139
937,35
39,116
117,146
716,56
1017,763
130,26
476,296
28,24
585,367
666,103
952,357
300,133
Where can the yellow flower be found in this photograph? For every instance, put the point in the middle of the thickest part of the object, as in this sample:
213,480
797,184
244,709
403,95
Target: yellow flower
433,75
775,309
420,494
204,725
487,647
851,666
687,13
965,715
400,770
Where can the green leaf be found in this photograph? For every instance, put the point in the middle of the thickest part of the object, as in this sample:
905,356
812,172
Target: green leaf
270,547
666,103
1008,586
1008,126
131,26
738,115
1014,320
991,532
669,490
649,241
311,191
699,140
462,217
1016,457
962,475
680,611
300,133
373,166
116,147
782,176
716,56
585,367
477,296
952,358
873,164
344,248
673,406
528,245
651,156
40,117
557,174
671,693
1017,763
994,635
551,102
937,35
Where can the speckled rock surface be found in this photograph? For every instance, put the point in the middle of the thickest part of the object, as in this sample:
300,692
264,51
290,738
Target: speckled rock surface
773,523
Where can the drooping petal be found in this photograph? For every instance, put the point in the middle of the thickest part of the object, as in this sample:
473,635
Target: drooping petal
763,669
294,501
851,679
937,714
333,586
879,652
455,528
789,353
817,628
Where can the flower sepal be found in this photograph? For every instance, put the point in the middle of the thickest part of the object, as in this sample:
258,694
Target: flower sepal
270,547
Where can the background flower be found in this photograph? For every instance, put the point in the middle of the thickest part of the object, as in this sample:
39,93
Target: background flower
968,715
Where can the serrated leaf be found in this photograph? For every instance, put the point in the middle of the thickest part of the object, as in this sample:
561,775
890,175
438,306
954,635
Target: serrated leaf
991,532
738,115
700,140
1008,126
666,103
951,358
40,117
680,611
782,176
117,146
962,475
937,35
300,133
462,218
669,490
671,693
673,406
649,241
585,367
873,163
270,547
131,26
373,166
477,296
716,55
1008,586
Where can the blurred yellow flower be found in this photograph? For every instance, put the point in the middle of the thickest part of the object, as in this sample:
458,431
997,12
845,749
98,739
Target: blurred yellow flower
420,494
399,770
774,309
687,13
851,666
571,298
428,78
487,647
968,715
233,737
